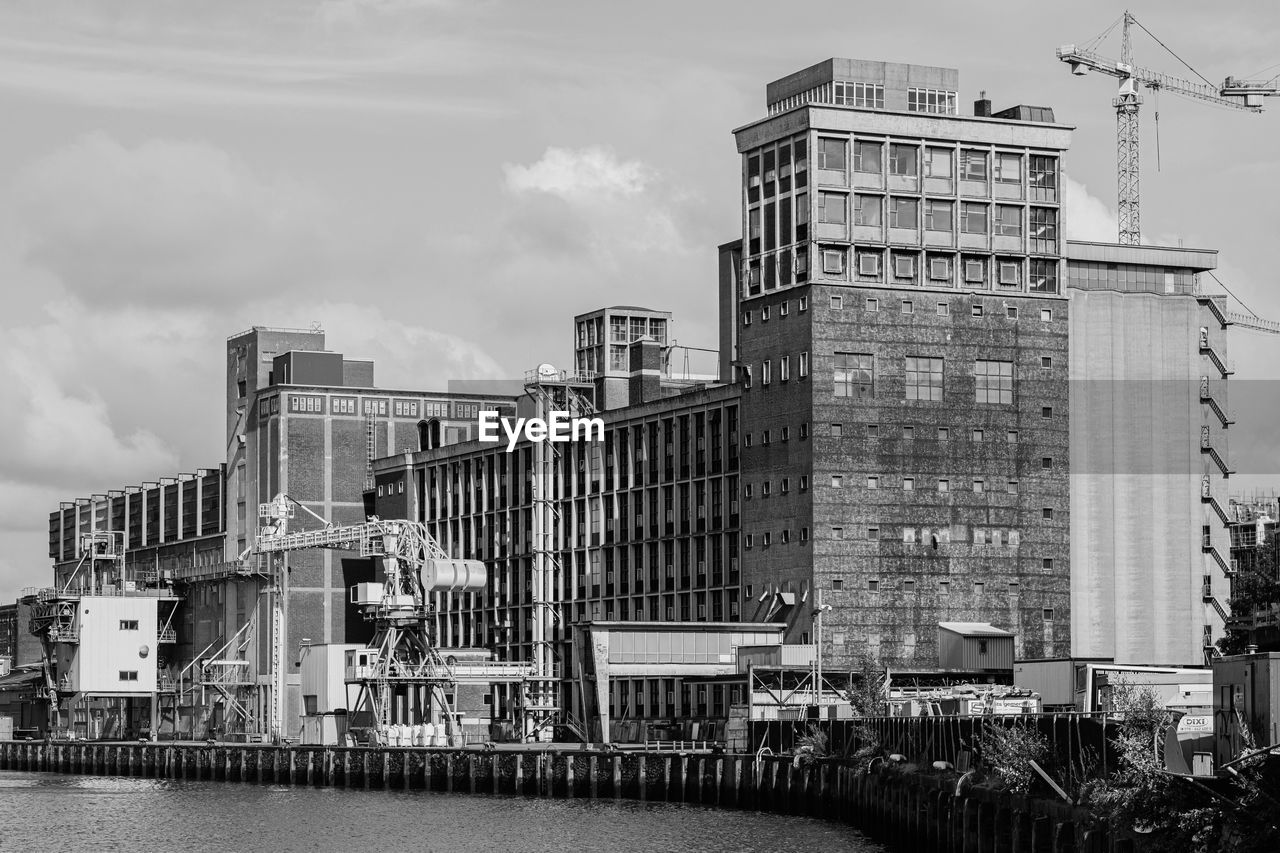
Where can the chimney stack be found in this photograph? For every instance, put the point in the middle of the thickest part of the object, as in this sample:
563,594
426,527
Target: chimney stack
982,106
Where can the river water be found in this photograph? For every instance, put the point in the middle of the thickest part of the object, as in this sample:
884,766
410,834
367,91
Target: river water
48,811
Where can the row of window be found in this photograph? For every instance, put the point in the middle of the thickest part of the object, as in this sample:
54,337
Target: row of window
940,270
869,96
854,375
942,309
976,217
315,404
944,433
912,159
982,536
784,434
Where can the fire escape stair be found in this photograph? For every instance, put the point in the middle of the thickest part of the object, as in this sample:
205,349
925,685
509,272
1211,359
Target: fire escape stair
1218,362
1217,460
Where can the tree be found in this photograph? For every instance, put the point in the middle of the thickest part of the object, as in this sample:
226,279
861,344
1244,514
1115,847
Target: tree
1254,589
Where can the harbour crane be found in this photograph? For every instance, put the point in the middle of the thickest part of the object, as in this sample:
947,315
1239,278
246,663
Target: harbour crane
401,675
1236,94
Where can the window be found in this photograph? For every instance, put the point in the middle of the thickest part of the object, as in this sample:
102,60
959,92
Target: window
1011,436
937,163
837,303
1046,463
831,208
944,587
938,215
902,160
832,154
993,381
1043,174
804,304
976,435
1047,564
837,430
764,440
973,218
764,313
1046,315
873,585
873,482
908,307
747,491
908,586
1047,614
869,267
786,433
903,212
746,378
973,165
766,372
1047,513
1008,168
936,101
1007,221
1012,488
854,374
784,368
908,484
128,624
979,486
908,433
908,534
837,533
867,156
1044,275
804,428
837,583
804,534
1010,272
128,675
784,309
766,487
746,318
1046,361
975,271
804,482
1043,229
868,209
748,541
924,378
837,481
943,308
1011,311
944,485
803,371
944,433
1046,411
833,261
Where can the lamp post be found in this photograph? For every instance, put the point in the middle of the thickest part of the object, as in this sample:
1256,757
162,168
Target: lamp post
818,610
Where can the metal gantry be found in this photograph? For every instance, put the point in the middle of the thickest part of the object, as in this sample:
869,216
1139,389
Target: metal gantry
403,660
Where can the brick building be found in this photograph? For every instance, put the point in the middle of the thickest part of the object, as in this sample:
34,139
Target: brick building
902,339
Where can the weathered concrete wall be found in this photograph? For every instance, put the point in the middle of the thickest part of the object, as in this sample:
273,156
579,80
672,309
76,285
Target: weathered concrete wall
904,808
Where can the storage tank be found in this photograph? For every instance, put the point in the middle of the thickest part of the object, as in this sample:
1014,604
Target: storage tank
454,575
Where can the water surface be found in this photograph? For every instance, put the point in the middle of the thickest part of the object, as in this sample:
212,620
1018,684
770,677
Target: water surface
49,811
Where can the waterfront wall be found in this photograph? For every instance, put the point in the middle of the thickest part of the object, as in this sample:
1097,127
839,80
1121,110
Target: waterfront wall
907,809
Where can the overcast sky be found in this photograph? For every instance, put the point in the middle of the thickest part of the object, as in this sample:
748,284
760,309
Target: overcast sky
444,184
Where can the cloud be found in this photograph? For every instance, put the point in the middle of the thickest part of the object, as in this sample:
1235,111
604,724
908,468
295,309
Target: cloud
1088,217
585,175
170,222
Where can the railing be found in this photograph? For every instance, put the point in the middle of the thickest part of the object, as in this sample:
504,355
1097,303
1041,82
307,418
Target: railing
168,635
1223,367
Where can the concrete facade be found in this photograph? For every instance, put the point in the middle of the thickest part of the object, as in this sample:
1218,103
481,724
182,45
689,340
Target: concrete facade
1149,460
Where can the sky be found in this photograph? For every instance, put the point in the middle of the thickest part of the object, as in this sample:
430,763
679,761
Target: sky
442,184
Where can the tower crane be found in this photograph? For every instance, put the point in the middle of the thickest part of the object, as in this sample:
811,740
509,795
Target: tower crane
1236,94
